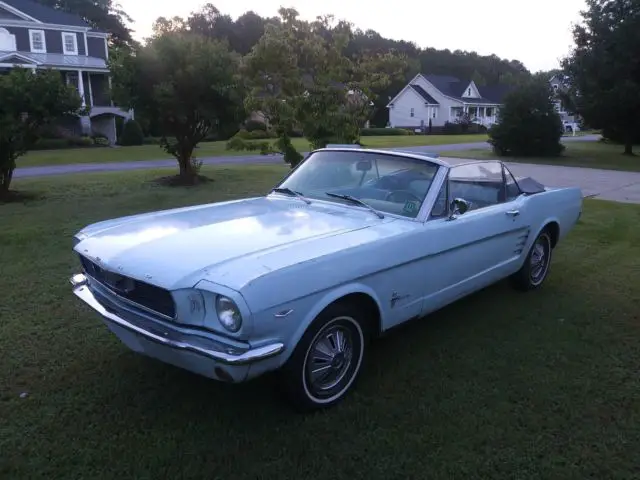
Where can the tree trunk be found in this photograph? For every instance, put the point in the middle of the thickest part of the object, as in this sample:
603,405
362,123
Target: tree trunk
187,172
628,148
6,174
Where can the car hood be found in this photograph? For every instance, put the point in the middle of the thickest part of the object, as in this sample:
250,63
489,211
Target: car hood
176,248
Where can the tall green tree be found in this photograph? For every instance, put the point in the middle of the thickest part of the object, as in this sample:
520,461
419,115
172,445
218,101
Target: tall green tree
106,15
528,124
187,82
30,100
603,71
300,77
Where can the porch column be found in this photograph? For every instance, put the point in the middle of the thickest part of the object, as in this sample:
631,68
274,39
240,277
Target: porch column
110,94
90,89
81,88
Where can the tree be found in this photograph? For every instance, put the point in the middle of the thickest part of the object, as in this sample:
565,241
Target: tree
603,70
105,15
528,124
30,100
189,84
300,77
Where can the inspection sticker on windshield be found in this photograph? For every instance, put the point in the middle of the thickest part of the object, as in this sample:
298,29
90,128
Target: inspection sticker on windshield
411,206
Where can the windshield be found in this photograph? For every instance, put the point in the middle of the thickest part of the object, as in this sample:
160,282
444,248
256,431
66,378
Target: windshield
388,183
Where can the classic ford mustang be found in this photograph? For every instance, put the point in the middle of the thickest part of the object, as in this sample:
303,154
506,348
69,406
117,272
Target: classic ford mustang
348,245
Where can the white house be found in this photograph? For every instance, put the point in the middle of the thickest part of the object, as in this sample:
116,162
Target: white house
443,98
569,120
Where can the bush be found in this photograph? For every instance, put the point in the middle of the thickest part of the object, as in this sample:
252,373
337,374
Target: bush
151,141
612,135
528,124
451,128
131,134
254,135
252,125
100,140
385,132
63,143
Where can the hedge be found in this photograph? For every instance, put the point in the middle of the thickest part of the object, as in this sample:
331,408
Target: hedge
384,132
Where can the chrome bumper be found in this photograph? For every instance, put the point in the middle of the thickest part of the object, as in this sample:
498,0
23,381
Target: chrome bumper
173,337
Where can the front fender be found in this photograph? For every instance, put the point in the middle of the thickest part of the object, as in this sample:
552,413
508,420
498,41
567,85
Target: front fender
321,302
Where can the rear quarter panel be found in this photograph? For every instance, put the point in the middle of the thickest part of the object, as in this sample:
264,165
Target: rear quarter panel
560,205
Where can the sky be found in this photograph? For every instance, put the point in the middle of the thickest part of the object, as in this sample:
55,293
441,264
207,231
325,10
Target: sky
538,33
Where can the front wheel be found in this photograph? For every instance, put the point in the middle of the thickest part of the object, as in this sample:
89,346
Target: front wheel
536,265
327,360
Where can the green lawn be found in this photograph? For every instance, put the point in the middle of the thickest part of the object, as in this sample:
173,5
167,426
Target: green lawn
577,154
501,385
215,149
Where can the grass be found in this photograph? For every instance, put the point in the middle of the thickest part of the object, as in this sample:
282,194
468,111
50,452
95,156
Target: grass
576,154
500,385
216,149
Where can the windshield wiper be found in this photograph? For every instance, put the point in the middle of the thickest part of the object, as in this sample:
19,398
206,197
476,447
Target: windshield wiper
357,201
292,193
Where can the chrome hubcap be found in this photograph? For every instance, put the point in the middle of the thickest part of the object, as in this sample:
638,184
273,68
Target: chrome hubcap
539,259
329,359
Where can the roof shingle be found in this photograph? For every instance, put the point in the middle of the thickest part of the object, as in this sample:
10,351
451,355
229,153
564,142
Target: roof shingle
46,14
423,93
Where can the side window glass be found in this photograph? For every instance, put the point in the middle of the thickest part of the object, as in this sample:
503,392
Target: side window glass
440,209
480,183
513,190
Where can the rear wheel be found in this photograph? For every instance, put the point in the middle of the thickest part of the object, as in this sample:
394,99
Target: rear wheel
327,360
536,266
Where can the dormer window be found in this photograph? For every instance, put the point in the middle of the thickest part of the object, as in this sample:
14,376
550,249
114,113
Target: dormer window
69,43
37,41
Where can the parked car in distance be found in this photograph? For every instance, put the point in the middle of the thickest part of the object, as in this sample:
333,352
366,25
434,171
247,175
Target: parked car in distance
348,245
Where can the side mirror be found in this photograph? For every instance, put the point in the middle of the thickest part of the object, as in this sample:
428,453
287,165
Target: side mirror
459,206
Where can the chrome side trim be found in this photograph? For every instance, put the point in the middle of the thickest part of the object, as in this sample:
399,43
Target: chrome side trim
173,338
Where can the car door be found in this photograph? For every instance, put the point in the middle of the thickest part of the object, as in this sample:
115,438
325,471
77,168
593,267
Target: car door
474,249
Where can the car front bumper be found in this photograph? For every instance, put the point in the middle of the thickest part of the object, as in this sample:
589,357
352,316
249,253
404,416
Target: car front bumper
200,352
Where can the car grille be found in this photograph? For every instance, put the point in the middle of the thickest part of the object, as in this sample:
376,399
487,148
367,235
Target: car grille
148,296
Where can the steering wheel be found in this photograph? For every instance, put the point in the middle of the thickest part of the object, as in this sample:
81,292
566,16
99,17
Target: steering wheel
405,195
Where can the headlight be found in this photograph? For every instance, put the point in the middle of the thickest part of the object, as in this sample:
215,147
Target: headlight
228,313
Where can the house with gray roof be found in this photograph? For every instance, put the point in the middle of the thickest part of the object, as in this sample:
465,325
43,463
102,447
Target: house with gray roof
39,37
443,98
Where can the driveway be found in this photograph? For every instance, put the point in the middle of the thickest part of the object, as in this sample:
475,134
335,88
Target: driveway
141,165
595,183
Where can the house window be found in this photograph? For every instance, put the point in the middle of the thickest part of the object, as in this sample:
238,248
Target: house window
435,112
468,91
489,112
69,43
37,41
412,112
555,86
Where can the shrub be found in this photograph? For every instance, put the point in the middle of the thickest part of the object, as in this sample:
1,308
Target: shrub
151,141
613,135
528,124
100,140
131,134
385,132
63,143
254,135
252,125
451,128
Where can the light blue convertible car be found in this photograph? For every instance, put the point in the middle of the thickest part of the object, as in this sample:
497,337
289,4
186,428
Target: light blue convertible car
348,245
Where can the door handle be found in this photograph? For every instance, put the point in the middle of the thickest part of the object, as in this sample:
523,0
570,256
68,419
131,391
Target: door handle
513,213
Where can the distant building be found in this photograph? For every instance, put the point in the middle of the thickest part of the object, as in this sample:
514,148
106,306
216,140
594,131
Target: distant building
443,98
38,37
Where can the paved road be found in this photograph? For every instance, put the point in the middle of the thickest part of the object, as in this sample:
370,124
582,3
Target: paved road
141,165
595,183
